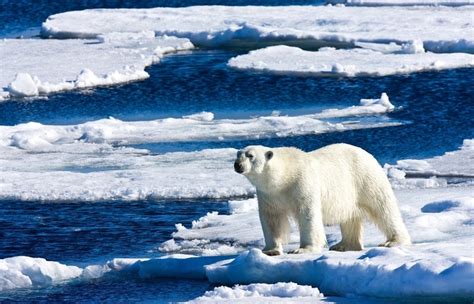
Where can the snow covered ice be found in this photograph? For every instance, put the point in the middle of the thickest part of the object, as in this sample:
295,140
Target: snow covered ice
201,126
452,166
74,64
309,26
353,62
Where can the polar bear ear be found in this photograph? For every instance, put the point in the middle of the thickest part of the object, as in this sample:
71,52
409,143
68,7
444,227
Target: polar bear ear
269,155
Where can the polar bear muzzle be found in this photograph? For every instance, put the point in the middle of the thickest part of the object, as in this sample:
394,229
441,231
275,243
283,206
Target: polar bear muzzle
238,167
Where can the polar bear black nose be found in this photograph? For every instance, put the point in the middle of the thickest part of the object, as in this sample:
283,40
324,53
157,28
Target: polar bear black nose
238,167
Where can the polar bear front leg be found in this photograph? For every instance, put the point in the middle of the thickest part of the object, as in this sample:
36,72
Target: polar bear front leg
351,232
312,236
275,228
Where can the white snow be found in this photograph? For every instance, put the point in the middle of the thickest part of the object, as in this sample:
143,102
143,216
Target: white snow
97,172
23,85
40,66
441,29
352,62
257,293
25,272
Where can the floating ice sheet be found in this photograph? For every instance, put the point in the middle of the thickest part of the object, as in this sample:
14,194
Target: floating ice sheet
97,172
197,127
353,62
40,66
307,26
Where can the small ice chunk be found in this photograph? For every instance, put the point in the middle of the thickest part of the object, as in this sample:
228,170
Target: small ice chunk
86,78
412,47
383,100
395,173
23,86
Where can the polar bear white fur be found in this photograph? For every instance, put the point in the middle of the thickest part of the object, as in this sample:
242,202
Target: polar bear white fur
337,184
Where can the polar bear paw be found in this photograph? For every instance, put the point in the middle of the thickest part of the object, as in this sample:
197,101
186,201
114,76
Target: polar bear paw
304,250
394,243
389,244
346,247
272,252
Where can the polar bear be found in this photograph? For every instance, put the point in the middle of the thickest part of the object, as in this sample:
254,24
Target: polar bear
337,184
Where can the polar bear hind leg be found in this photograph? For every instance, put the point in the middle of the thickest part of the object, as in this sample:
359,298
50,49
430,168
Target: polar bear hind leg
388,219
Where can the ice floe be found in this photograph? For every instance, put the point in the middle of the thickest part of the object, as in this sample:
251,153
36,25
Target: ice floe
304,26
98,172
196,127
74,64
25,272
456,166
440,221
353,62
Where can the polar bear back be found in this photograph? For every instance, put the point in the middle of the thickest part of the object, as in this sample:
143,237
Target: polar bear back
350,178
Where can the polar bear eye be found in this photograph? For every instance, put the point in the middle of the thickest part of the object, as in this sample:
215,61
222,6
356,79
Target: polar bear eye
249,155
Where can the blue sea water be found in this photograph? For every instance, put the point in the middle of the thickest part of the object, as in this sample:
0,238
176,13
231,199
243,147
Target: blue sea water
437,108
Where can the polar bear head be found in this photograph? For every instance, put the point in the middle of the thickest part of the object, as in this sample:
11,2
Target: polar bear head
252,160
